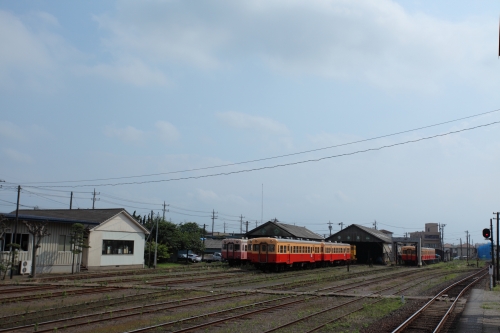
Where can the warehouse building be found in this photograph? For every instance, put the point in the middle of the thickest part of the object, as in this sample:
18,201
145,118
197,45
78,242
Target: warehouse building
370,243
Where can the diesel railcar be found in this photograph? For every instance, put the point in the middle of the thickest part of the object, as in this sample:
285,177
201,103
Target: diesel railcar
279,254
234,251
409,255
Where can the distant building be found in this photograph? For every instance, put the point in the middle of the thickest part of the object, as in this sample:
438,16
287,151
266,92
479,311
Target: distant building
431,237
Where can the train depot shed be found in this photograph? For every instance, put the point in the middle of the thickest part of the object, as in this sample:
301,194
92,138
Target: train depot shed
370,243
275,228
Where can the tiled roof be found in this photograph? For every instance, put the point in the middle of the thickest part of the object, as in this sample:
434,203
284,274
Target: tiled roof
91,216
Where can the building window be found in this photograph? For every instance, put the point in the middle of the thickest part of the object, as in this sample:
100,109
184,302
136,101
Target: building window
117,247
64,243
21,239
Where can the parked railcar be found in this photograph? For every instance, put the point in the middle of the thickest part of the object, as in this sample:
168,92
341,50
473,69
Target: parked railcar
354,259
234,251
409,255
279,253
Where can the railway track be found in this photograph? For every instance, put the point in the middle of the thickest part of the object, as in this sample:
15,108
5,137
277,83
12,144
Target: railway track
65,293
41,315
229,315
70,322
433,315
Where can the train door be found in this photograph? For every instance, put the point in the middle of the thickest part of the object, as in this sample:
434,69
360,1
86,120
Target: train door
263,251
230,250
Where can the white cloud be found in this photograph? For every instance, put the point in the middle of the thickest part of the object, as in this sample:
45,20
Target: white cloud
166,131
11,131
209,196
130,71
254,123
376,42
127,134
16,156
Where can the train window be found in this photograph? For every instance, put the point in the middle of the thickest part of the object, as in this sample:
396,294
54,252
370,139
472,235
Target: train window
256,247
288,248
236,247
263,247
246,249
308,249
224,246
271,248
230,246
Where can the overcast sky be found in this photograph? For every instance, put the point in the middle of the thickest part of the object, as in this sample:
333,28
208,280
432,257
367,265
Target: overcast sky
94,90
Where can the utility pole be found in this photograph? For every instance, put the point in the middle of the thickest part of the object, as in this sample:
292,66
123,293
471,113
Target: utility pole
442,238
213,218
94,198
460,248
375,224
498,250
224,227
241,224
341,224
164,210
71,201
247,227
262,207
256,224
13,239
492,256
467,240
204,236
330,227
156,241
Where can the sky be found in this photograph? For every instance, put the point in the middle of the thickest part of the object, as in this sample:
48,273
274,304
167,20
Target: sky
309,112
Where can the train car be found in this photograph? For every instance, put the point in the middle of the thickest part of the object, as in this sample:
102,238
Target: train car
354,259
234,251
409,255
279,254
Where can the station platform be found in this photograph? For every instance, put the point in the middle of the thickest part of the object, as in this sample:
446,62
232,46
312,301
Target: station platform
481,312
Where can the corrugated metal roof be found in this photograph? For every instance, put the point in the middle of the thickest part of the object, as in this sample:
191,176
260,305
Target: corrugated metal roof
376,233
299,232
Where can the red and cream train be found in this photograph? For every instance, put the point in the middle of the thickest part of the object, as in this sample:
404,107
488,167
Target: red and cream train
409,256
281,253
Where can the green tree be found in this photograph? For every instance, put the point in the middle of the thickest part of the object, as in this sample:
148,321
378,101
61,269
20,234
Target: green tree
77,235
39,230
162,253
7,258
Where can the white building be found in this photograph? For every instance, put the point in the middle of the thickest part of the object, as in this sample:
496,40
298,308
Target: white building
115,239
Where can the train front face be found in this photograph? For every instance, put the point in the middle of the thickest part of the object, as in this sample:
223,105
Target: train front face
262,250
408,254
231,249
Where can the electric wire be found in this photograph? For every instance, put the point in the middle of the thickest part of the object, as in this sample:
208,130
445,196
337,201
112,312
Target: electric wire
272,166
273,157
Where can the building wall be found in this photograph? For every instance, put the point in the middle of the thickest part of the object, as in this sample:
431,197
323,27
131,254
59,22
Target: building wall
119,228
49,259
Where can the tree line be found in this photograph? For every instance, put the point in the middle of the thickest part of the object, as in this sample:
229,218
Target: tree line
172,237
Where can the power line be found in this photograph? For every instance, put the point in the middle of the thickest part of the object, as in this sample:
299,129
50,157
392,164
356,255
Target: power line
277,165
272,157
